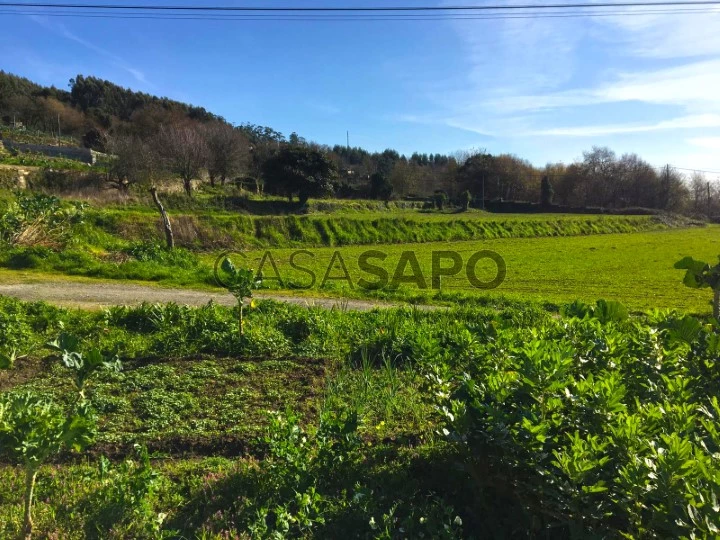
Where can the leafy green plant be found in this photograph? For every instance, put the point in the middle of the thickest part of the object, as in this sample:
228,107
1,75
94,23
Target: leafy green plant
604,310
240,282
124,502
698,275
294,504
82,365
7,360
591,427
34,427
155,252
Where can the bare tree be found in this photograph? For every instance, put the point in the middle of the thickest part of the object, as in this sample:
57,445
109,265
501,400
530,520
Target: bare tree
699,191
167,227
228,151
600,169
636,183
461,156
404,177
183,151
673,191
133,162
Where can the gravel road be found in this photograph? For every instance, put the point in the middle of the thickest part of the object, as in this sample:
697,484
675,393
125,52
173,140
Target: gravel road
97,295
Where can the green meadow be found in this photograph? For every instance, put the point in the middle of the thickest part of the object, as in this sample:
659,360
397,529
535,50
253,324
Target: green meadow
635,269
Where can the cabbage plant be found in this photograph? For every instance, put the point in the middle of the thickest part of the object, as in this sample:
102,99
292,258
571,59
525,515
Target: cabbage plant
34,427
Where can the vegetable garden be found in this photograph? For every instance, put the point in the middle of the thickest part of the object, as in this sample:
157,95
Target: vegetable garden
466,422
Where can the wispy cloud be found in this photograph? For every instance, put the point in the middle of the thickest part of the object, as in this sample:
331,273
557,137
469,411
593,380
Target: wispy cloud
667,36
713,143
685,122
599,77
62,30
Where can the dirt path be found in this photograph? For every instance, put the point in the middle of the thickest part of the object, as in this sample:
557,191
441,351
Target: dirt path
102,294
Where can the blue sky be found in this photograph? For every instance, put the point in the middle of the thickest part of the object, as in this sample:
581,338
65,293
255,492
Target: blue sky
544,89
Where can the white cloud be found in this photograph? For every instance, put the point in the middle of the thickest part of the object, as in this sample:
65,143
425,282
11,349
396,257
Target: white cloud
676,35
691,85
516,65
685,122
713,143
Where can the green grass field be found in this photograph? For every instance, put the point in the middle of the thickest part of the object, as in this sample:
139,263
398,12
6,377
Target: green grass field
635,269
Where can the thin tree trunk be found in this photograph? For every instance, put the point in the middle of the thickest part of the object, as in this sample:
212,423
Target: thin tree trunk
30,476
716,303
187,184
169,239
242,329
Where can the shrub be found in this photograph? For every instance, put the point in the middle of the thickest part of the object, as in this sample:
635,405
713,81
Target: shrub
595,425
38,220
156,252
440,198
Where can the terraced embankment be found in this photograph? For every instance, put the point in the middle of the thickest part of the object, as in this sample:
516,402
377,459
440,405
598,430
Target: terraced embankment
206,231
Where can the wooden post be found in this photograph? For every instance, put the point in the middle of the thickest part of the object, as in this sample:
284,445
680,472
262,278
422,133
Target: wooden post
169,239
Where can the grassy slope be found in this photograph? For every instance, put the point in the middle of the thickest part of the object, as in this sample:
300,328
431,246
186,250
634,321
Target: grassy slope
230,230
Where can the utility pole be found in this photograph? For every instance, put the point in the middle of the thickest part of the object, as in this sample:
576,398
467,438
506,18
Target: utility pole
483,191
348,139
59,134
708,200
665,187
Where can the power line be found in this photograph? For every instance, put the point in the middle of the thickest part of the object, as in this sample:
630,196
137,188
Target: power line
694,170
355,17
288,9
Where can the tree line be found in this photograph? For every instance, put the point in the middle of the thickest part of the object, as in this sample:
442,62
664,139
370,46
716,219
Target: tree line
155,137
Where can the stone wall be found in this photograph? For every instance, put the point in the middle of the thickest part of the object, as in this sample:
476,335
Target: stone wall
78,154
